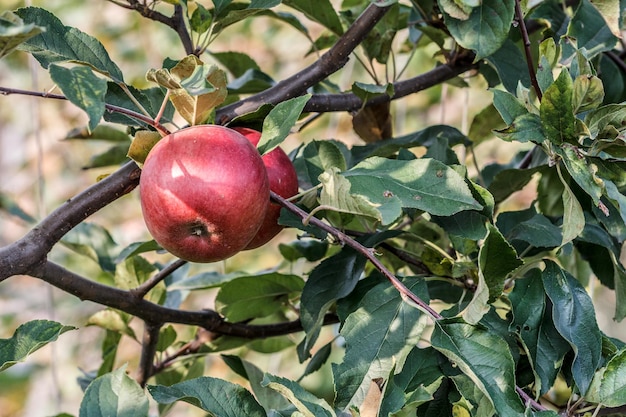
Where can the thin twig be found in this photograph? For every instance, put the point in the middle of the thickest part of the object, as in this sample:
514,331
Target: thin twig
6,91
296,85
149,284
529,58
368,253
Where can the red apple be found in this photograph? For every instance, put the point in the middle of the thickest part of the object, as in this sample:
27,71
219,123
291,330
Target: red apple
204,193
283,181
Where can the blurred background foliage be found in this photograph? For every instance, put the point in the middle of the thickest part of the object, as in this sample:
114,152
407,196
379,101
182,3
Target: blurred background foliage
40,168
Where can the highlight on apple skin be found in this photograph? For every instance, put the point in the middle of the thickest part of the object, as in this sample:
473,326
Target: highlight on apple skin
204,193
283,181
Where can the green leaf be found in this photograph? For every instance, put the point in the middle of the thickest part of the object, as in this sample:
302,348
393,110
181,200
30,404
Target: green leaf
608,386
485,29
318,156
320,11
201,19
7,204
415,384
573,216
136,249
528,304
81,87
236,63
93,241
116,395
334,278
250,297
318,359
588,93
218,397
525,128
60,43
266,396
484,357
101,132
599,121
368,91
336,196
426,137
496,259
424,184
483,125
506,61
376,334
590,30
575,319
150,99
13,32
306,403
583,171
112,320
508,181
278,123
530,227
557,111
28,338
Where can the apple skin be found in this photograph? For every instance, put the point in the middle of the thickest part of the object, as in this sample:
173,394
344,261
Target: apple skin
204,193
283,181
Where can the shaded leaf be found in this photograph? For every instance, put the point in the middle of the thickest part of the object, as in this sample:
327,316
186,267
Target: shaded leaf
320,11
484,357
83,89
250,297
218,397
575,319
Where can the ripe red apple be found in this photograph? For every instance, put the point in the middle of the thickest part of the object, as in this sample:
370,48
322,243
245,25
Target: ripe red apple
204,193
283,181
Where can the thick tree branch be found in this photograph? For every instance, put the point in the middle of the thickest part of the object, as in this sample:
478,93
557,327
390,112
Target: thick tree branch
350,102
29,253
149,312
175,22
148,351
331,61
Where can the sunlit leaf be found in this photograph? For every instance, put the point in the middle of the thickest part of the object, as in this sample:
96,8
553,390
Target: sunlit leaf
115,394
373,347
485,29
60,43
425,184
306,403
278,123
28,338
13,32
557,111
